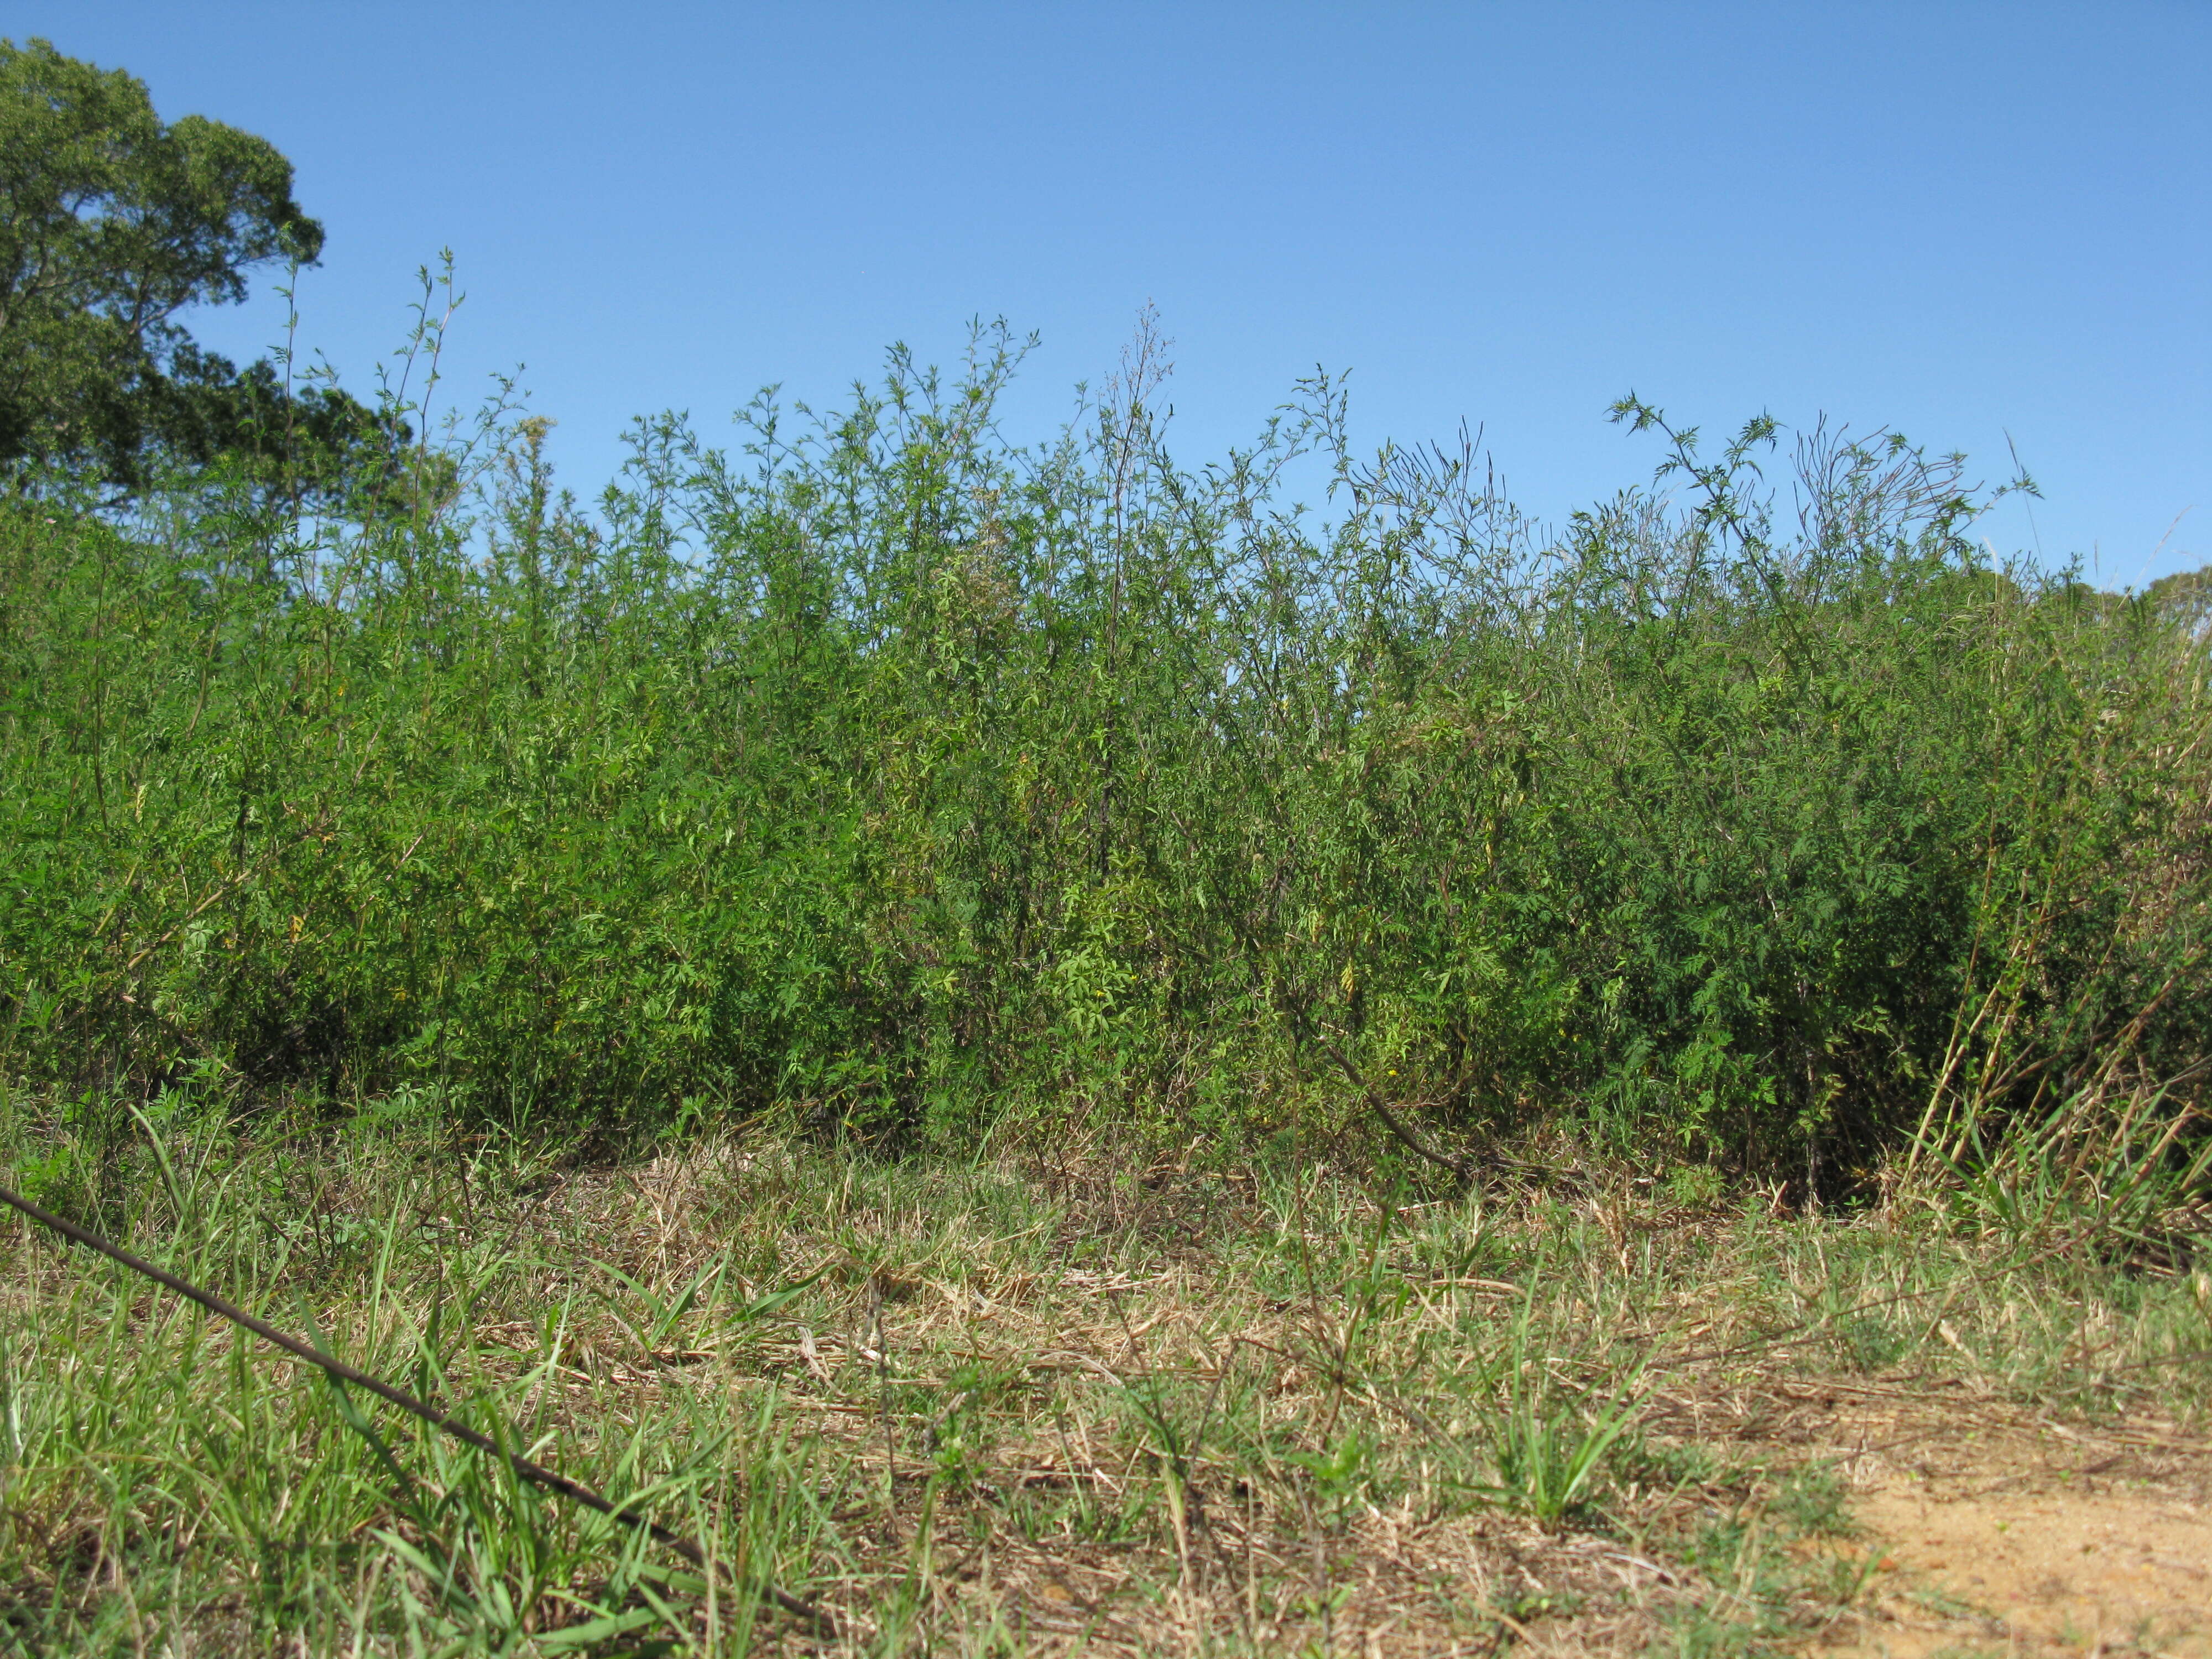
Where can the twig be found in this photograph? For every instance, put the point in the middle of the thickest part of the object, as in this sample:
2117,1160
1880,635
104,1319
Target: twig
1380,1108
537,1474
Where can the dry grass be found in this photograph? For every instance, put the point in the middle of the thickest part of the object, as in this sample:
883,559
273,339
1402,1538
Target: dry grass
1042,1406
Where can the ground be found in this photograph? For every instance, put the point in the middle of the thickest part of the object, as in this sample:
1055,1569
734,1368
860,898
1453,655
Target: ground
1049,1406
1995,1531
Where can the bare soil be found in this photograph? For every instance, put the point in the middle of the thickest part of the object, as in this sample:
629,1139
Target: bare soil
1984,1530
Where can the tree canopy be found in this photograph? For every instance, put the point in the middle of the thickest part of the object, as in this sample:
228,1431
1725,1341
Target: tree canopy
113,223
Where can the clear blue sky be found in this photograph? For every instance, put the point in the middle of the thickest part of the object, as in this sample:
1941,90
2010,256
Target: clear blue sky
1961,220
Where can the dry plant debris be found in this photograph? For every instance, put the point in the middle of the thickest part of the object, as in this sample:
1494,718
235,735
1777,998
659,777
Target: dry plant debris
1061,1408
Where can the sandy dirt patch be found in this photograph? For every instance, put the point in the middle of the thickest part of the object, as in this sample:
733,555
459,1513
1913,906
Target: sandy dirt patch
2022,1540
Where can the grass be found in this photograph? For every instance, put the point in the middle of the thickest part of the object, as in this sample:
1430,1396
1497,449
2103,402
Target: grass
1044,1404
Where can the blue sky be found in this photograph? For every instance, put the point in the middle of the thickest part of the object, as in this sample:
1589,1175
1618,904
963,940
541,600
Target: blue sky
1964,222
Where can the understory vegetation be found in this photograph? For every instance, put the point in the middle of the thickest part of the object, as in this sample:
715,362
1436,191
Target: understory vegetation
920,787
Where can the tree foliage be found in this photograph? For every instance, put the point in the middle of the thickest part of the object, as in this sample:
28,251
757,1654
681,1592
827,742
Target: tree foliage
112,225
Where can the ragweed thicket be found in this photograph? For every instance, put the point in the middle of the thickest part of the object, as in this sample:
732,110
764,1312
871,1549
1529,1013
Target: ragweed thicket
928,786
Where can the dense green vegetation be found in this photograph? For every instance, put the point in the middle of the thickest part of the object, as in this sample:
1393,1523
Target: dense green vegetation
910,779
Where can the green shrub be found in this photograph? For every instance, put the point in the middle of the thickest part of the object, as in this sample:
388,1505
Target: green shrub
898,776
